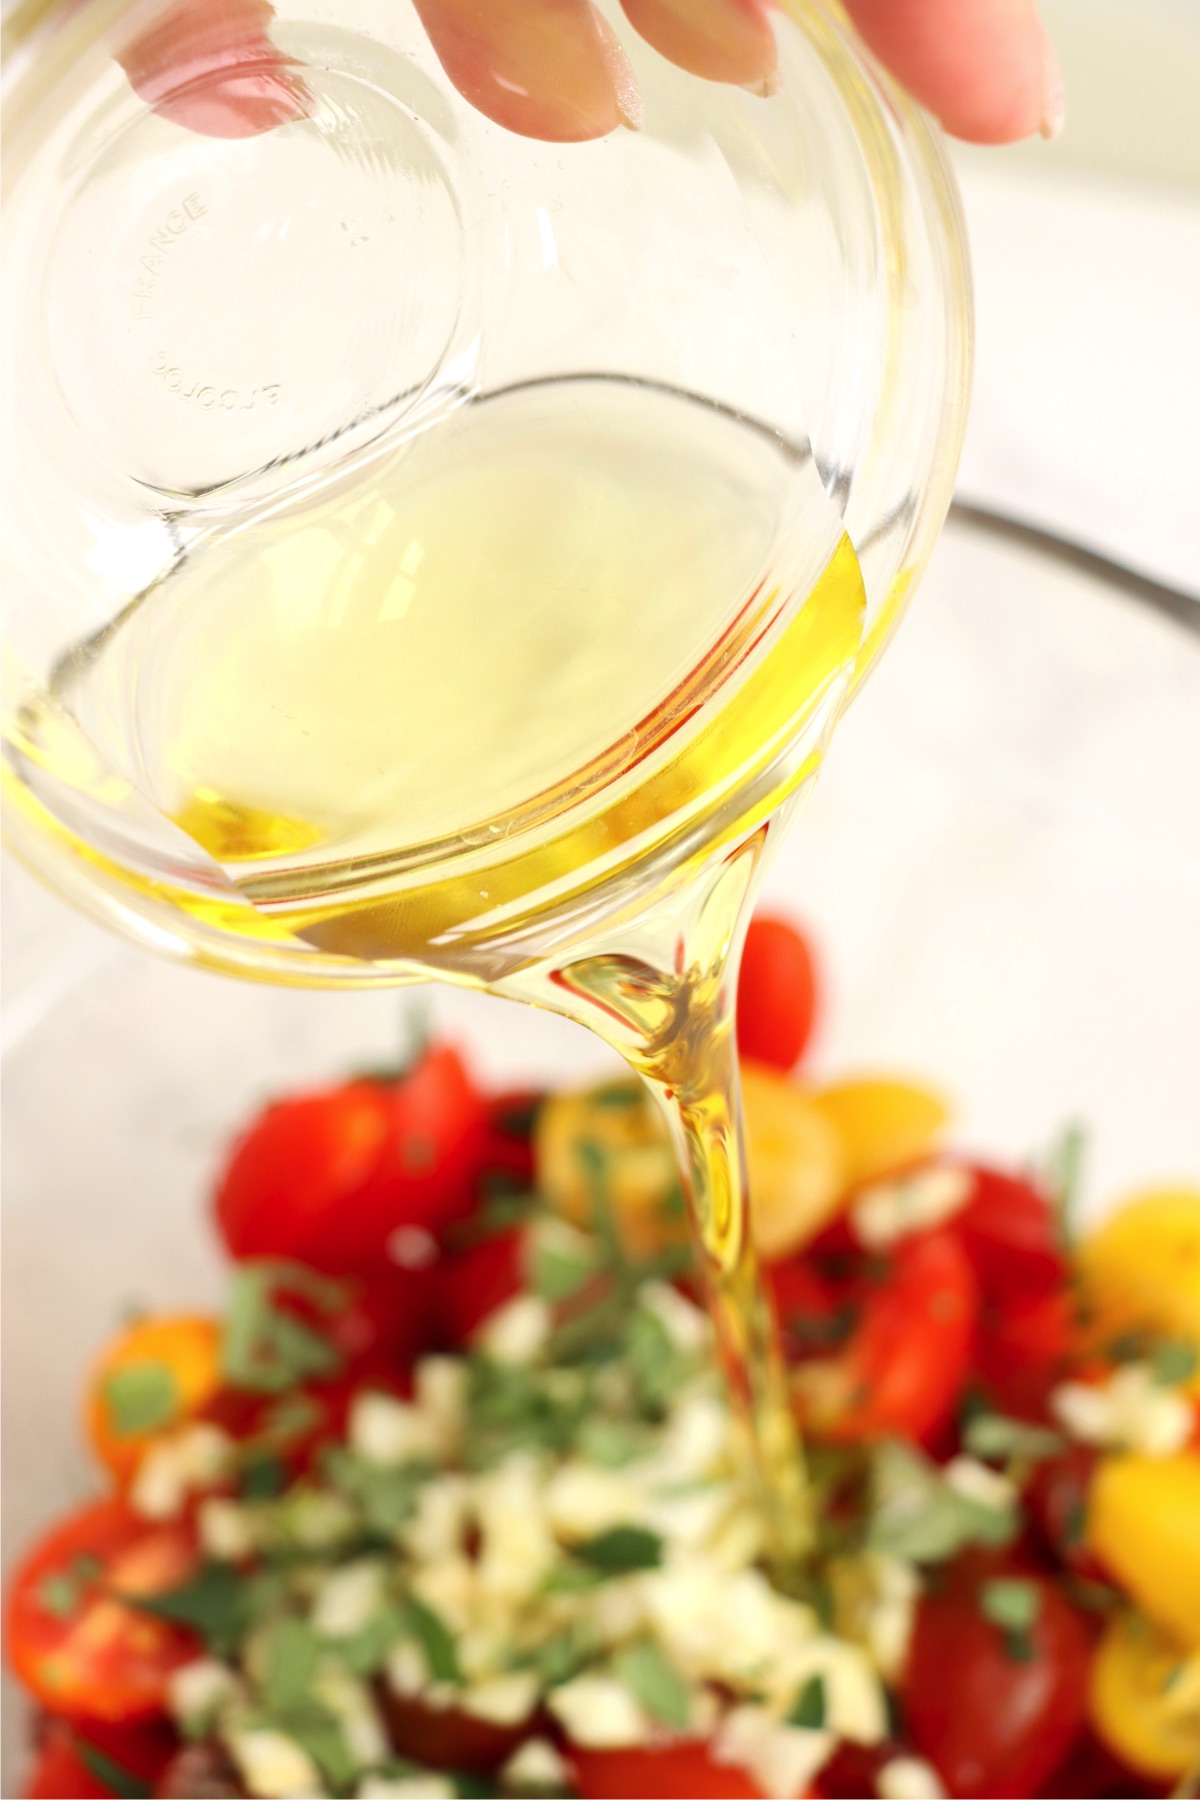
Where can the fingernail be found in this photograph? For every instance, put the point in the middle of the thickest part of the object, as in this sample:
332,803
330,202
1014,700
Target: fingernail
768,87
1054,109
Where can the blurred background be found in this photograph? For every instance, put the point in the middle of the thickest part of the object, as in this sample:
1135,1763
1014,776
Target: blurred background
1001,864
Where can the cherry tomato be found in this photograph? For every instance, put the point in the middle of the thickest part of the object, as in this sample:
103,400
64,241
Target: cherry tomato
444,1738
474,1283
777,993
1091,1772
512,1116
1009,1232
883,1124
67,1758
327,1178
1144,1525
1057,1498
992,1716
153,1377
1144,1698
1141,1268
680,1771
908,1322
1024,1349
74,1645
794,1162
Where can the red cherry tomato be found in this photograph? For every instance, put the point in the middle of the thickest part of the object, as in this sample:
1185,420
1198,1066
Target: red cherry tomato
682,1771
1009,1232
444,1738
1024,1349
994,1717
904,1324
67,1758
474,1283
777,993
75,1646
509,1147
1057,1499
327,1178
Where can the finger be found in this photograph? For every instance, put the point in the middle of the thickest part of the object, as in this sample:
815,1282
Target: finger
542,68
722,40
210,65
985,67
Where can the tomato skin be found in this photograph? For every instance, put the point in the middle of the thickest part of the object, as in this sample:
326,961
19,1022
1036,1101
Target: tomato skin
777,993
444,1738
1008,1229
903,1368
992,1725
105,1660
60,1773
1025,1350
187,1347
326,1178
475,1283
1058,1499
679,1771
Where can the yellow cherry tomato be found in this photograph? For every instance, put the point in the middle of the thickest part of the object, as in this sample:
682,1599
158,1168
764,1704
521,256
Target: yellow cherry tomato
609,1147
1141,1268
1143,1522
883,1124
157,1374
1144,1698
795,1162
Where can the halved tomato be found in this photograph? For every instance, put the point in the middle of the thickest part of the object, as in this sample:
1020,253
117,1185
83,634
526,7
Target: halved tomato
78,1648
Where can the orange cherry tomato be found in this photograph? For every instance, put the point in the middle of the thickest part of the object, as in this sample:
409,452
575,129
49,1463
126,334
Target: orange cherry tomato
72,1641
155,1376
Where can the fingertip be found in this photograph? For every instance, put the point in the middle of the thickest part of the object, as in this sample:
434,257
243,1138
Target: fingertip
719,40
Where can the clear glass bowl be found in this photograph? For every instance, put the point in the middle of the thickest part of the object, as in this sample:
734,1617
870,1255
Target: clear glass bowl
1001,866
205,333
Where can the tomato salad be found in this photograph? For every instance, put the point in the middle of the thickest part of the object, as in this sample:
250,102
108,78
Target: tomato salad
450,1501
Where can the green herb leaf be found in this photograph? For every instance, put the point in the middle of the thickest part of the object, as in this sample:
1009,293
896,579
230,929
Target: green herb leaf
810,1709
385,1497
1173,1363
621,1550
262,1476
648,1675
992,1437
142,1396
562,1657
1064,1172
1012,1604
919,1516
317,1730
212,1603
290,1654
62,1594
435,1640
265,1349
557,1274
365,1652
612,1443
116,1778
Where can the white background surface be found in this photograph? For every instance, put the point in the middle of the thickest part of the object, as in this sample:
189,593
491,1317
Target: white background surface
1002,863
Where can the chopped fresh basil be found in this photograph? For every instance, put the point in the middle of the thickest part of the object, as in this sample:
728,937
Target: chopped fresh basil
1012,1604
212,1603
1063,1175
62,1594
611,1443
291,1652
266,1349
141,1397
112,1775
621,1550
435,1640
366,1651
557,1274
262,1476
1173,1362
385,1497
562,1657
810,1709
919,1516
648,1675
993,1437
316,1729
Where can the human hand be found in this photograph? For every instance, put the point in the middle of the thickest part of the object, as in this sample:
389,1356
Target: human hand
554,69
